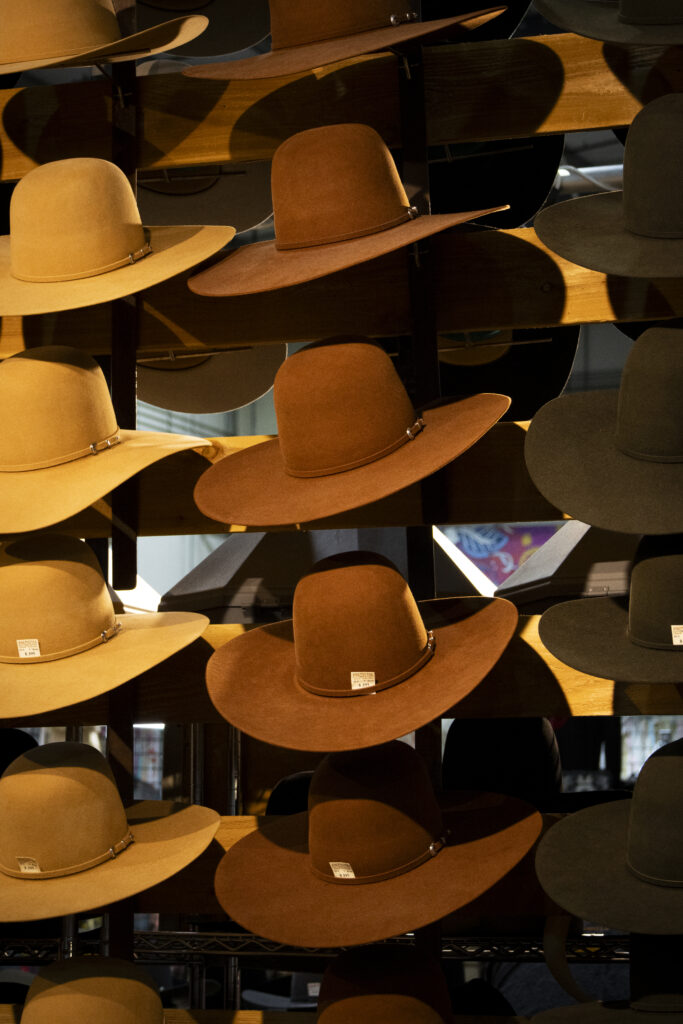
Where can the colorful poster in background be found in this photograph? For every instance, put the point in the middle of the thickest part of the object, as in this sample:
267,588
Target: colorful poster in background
498,549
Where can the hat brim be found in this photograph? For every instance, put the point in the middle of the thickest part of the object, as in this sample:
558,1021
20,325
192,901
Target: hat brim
143,641
34,499
264,881
610,1013
572,459
167,36
261,267
251,487
293,59
174,248
590,232
221,383
252,681
376,1008
581,864
168,837
599,19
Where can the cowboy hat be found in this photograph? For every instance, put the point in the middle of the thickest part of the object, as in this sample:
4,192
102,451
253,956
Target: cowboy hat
60,446
60,641
76,240
617,21
356,633
373,857
348,435
306,36
89,989
614,459
77,32
637,232
67,843
337,201
233,25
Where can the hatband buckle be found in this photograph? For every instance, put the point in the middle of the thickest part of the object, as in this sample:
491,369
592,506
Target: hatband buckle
101,446
416,428
111,631
122,845
400,19
146,249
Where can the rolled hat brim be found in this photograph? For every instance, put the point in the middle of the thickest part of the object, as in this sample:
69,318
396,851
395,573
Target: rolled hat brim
251,487
158,39
174,248
264,881
143,641
261,267
168,837
34,499
572,459
291,60
590,232
581,864
599,19
252,681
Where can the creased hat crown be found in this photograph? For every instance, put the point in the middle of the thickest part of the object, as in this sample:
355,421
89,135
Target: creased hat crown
654,849
291,23
89,989
60,28
649,424
650,12
655,611
653,197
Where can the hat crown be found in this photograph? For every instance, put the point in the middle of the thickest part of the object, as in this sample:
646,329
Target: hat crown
372,814
334,183
649,424
655,611
654,848
339,405
54,404
71,219
291,22
60,811
109,991
650,12
653,154
59,29
357,628
53,597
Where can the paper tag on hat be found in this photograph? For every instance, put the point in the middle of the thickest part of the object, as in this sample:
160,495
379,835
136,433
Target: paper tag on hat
312,989
677,636
28,648
340,869
362,680
28,866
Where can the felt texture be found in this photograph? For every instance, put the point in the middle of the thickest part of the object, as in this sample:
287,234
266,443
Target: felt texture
80,32
337,202
60,807
637,232
586,861
606,1013
106,990
72,219
375,806
54,402
306,36
576,447
52,590
333,401
628,21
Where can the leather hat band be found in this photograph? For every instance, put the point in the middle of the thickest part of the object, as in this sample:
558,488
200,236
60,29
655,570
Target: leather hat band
408,435
103,637
29,867
124,261
427,653
352,879
93,449
408,214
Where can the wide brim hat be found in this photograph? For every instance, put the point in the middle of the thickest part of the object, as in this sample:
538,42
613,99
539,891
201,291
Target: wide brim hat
89,988
602,19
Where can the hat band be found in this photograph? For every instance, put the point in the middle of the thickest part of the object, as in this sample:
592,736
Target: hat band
408,214
31,868
402,869
92,449
672,883
369,26
104,636
131,257
652,644
408,435
376,687
647,457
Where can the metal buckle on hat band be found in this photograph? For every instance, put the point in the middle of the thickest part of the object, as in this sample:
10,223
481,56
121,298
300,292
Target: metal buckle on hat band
122,844
417,427
107,634
402,19
101,446
146,249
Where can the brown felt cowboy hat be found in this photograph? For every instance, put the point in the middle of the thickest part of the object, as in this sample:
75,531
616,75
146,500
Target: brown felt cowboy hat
67,843
373,857
306,35
621,864
637,232
618,21
77,32
60,641
348,435
614,459
105,990
337,201
76,240
639,640
356,633
60,446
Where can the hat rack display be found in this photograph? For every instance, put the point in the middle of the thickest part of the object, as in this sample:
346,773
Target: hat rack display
367,655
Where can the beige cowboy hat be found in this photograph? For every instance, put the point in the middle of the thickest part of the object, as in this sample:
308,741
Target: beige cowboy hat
88,989
76,239
618,21
60,446
60,640
67,843
72,33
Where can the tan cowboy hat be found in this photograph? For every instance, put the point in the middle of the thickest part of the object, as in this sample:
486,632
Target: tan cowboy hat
306,36
637,232
88,989
76,240
618,21
67,843
60,641
77,32
357,633
348,435
374,856
60,446
337,201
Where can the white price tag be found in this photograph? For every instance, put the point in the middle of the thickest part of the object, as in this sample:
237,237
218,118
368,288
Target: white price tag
677,636
340,869
362,680
28,866
28,648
